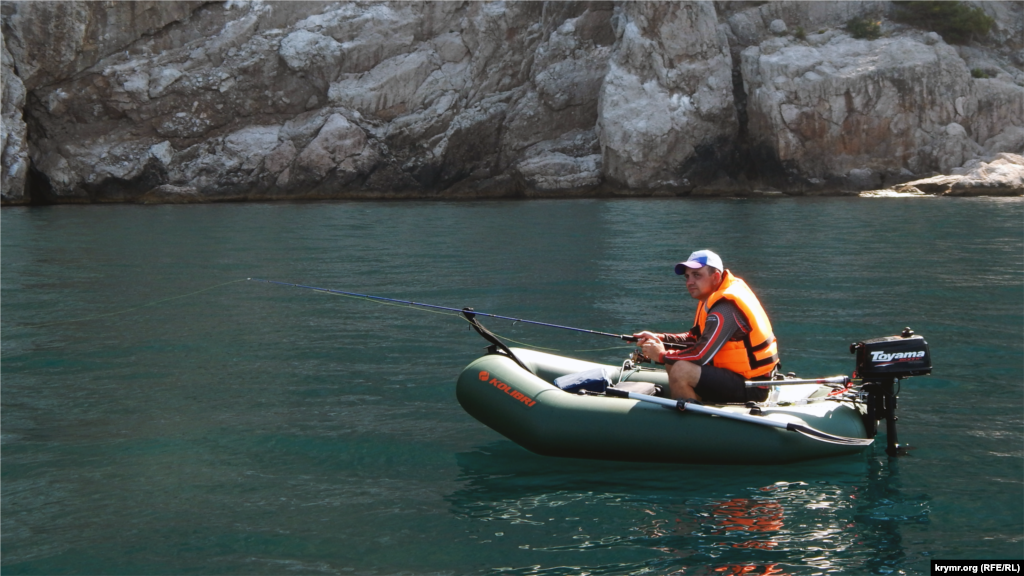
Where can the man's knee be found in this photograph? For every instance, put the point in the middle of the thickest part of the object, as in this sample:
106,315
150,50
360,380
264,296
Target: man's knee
685,373
682,378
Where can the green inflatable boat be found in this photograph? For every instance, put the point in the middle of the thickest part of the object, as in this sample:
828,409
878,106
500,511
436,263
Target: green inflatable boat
629,418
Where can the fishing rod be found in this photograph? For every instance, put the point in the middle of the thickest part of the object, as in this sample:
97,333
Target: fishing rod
464,311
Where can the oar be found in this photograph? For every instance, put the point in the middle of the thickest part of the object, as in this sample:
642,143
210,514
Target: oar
831,380
686,405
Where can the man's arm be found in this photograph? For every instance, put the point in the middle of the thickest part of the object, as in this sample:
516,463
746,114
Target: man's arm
681,338
724,321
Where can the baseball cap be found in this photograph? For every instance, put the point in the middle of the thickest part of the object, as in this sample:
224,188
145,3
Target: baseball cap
699,259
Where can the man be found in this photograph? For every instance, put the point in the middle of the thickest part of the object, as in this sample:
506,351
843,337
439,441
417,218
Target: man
731,340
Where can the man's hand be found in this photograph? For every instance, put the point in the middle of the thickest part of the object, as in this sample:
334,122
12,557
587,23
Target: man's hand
651,345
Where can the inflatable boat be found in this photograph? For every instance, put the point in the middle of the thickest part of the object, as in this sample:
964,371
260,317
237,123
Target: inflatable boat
623,412
560,406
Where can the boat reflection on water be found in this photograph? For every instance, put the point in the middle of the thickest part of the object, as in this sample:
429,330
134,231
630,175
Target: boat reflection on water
750,516
563,516
750,570
756,521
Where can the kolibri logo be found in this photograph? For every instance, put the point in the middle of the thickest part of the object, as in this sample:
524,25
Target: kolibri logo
896,356
486,377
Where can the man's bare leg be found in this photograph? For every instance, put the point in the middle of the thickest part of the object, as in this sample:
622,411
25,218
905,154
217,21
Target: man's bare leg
682,378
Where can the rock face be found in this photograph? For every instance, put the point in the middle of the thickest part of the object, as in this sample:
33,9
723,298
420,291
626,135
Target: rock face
13,131
874,111
312,100
667,102
196,101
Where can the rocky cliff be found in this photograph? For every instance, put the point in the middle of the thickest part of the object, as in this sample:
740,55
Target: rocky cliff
201,101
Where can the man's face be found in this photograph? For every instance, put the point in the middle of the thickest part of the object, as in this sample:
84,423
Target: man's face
702,282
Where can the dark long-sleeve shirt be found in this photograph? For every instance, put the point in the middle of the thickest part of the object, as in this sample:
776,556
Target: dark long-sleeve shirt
725,322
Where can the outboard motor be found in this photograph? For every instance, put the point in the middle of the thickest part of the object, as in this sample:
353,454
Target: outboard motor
881,363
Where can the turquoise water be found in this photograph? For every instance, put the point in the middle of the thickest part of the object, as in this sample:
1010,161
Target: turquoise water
260,429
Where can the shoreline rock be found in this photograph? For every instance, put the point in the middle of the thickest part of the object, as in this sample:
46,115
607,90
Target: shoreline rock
998,175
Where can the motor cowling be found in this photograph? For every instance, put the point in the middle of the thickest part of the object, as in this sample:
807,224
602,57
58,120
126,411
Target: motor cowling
892,357
881,363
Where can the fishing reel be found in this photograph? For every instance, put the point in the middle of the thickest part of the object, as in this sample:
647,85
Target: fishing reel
637,357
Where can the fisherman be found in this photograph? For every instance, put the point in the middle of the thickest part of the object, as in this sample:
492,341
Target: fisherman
731,340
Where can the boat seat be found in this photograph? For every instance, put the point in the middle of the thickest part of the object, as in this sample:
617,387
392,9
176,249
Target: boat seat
597,380
648,388
593,380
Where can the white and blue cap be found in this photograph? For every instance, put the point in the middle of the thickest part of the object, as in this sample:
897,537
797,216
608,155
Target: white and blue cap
700,259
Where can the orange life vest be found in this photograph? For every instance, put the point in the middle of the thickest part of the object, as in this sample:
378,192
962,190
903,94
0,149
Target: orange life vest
758,352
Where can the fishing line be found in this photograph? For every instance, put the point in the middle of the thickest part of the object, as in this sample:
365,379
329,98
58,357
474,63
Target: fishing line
408,306
446,311
548,348
449,309
154,303
460,317
365,299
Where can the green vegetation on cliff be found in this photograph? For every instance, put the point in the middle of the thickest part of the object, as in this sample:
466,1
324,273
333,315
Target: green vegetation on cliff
863,29
957,22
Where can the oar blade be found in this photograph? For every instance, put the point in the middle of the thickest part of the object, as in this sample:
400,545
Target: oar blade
830,438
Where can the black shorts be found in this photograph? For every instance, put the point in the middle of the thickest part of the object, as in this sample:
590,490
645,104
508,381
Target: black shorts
721,386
